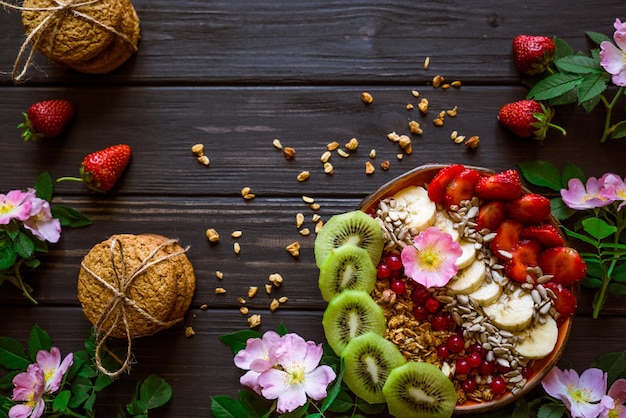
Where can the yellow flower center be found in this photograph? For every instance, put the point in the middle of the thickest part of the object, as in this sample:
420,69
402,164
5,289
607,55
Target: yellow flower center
295,375
430,259
578,394
6,208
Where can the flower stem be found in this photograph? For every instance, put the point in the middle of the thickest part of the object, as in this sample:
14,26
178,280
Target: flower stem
18,282
608,129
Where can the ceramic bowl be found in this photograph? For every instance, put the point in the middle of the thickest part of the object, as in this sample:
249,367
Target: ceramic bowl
419,177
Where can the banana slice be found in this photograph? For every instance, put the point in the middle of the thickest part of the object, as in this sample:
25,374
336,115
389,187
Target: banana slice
539,340
420,209
469,279
487,294
468,256
446,224
512,311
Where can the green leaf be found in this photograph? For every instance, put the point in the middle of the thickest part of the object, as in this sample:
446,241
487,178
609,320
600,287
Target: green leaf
541,173
597,228
282,329
120,412
12,229
38,340
572,171
591,282
562,48
589,105
578,64
44,186
560,210
551,411
24,246
6,383
137,408
12,354
237,340
102,381
335,388
370,409
298,412
70,217
255,405
227,407
61,401
7,257
583,238
592,86
342,403
554,85
155,391
619,130
597,37
617,289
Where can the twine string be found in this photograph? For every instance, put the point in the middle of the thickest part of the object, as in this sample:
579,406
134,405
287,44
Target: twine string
120,303
58,12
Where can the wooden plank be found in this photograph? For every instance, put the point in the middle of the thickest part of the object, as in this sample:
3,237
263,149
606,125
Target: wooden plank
193,42
237,126
201,366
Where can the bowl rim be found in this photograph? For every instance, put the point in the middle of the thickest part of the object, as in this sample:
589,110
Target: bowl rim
545,364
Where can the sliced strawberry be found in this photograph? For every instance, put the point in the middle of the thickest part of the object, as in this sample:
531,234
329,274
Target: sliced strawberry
461,187
531,208
547,234
564,301
490,215
437,186
507,236
564,263
500,186
525,254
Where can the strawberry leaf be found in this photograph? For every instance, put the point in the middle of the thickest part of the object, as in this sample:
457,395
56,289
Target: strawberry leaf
592,86
554,85
541,173
578,64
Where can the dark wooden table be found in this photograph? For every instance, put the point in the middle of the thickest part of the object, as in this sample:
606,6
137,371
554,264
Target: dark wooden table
236,75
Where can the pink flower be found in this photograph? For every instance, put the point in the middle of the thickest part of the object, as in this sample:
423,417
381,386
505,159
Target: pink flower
53,368
297,373
584,396
577,196
613,58
617,407
614,189
41,223
431,260
256,359
14,205
29,388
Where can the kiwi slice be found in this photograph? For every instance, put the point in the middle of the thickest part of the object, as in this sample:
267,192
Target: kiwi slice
356,228
419,389
369,358
346,267
350,314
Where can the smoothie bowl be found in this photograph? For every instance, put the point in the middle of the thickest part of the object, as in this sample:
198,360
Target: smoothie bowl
450,290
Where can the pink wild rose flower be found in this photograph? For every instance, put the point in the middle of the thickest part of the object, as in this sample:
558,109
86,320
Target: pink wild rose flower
613,58
256,359
29,389
431,259
16,205
53,368
617,406
41,223
578,196
614,189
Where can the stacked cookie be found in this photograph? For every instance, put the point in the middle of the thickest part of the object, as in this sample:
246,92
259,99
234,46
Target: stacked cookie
90,37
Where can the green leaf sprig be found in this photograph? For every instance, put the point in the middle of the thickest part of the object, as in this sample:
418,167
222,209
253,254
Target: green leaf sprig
576,77
600,231
81,384
19,247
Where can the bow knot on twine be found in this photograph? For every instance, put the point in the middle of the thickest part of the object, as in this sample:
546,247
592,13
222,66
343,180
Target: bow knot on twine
117,310
53,19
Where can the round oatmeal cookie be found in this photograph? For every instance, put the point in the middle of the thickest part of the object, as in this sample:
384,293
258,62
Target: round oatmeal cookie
120,50
75,34
146,279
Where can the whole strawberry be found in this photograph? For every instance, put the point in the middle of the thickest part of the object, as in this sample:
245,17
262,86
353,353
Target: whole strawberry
101,170
46,119
528,118
533,54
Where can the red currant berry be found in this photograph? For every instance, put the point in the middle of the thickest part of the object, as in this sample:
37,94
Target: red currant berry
498,386
469,385
398,286
474,359
503,369
439,322
462,367
394,262
420,313
420,295
442,351
477,348
455,344
383,272
527,372
432,305
486,368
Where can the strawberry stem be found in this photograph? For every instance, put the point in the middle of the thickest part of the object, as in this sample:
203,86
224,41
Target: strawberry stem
558,128
69,179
